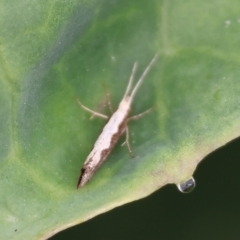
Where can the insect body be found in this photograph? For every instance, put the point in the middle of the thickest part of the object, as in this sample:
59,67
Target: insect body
114,128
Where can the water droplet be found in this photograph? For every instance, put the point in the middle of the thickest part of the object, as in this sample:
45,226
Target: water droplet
187,186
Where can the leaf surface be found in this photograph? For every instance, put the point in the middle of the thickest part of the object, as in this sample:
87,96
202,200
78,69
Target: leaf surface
52,52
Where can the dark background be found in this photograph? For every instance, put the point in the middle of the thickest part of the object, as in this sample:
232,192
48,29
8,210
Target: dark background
210,212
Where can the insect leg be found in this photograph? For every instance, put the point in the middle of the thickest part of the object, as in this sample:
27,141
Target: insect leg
91,111
140,115
128,142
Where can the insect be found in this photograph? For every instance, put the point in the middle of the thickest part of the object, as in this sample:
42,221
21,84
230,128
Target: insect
114,128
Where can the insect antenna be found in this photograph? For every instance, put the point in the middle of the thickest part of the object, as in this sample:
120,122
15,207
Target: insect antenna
129,86
142,77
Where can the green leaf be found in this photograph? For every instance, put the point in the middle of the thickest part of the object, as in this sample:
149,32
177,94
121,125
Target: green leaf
54,51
